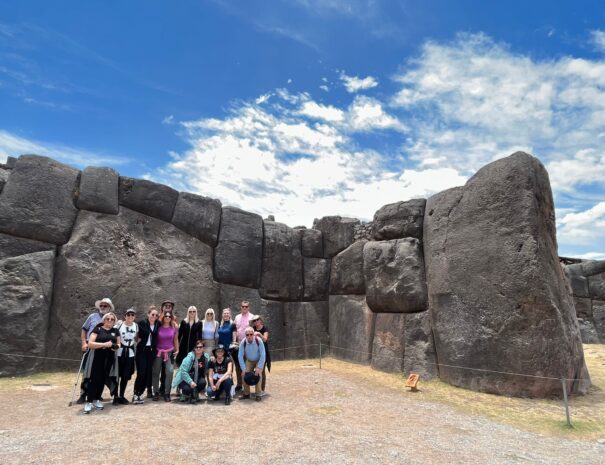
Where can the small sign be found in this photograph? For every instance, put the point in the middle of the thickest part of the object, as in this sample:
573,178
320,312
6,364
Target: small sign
412,381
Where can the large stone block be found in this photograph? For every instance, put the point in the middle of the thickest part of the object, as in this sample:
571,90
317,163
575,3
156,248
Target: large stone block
239,252
346,276
496,290
419,353
337,233
135,260
271,311
37,201
26,284
198,216
312,243
3,177
598,317
394,276
588,331
305,328
351,328
12,246
399,220
316,278
99,190
596,285
282,269
583,307
148,197
389,342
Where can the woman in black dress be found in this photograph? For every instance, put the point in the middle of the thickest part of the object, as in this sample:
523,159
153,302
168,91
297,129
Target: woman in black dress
188,333
102,364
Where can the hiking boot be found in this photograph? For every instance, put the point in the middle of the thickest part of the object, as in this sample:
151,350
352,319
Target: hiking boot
244,396
88,407
81,399
167,398
123,401
258,398
228,400
183,398
116,401
98,404
193,400
155,397
149,395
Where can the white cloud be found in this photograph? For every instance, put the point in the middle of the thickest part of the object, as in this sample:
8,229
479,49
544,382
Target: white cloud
14,146
354,84
168,120
325,112
324,88
366,114
598,39
591,256
584,227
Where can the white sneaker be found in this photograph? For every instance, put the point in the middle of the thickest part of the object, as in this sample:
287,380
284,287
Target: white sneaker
87,407
98,404
263,393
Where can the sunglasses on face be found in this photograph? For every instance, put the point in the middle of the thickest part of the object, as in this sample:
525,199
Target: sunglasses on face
199,347
249,334
244,306
110,319
104,306
167,316
191,311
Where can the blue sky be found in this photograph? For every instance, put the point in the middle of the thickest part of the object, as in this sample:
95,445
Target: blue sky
306,108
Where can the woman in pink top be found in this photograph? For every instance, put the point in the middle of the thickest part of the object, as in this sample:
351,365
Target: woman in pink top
167,347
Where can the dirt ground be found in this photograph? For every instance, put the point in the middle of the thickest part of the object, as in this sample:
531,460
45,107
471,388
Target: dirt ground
340,414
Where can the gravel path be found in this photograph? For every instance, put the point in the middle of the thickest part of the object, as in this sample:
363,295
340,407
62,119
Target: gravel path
310,417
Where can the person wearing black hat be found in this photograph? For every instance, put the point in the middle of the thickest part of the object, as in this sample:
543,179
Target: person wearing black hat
191,375
220,374
129,331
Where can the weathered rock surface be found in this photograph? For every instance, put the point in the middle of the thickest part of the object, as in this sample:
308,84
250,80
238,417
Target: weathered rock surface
10,162
37,201
337,233
497,294
282,268
394,276
26,284
588,331
598,317
389,343
3,177
351,328
148,197
312,243
198,216
419,352
271,311
133,259
399,220
596,285
99,190
305,327
239,252
11,246
346,276
583,307
316,278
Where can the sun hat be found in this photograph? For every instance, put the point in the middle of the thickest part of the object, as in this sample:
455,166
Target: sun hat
105,300
168,301
251,378
219,347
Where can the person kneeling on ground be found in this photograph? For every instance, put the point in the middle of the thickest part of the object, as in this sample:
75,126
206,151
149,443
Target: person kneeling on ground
251,359
220,374
191,375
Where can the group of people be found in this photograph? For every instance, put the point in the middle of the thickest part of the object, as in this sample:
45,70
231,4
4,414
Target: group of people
205,353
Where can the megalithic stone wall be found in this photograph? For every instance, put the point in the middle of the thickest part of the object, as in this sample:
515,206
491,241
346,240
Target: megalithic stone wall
485,299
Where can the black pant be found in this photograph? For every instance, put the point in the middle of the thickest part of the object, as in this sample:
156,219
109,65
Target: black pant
144,362
189,391
224,387
101,364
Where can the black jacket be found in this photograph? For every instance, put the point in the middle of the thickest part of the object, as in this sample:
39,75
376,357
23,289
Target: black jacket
144,331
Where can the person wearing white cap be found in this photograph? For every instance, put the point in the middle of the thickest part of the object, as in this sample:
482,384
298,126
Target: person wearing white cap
102,307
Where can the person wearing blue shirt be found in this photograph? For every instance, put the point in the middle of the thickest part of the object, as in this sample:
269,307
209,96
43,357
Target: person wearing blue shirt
251,359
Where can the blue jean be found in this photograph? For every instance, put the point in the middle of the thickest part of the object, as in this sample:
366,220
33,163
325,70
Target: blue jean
224,387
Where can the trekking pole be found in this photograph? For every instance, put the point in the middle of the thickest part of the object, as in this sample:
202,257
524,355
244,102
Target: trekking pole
73,392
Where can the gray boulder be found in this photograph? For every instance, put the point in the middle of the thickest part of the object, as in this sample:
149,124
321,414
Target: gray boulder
598,316
337,233
588,331
346,276
239,252
148,197
583,307
37,201
3,177
10,163
198,216
596,283
305,328
389,342
282,270
312,243
99,190
316,278
419,352
497,294
11,246
351,328
398,220
271,311
25,292
133,259
394,276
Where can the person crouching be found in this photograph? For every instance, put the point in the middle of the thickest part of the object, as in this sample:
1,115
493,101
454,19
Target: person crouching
220,375
191,375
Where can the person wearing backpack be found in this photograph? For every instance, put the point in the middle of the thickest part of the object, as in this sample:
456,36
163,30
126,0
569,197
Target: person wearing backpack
251,360
129,333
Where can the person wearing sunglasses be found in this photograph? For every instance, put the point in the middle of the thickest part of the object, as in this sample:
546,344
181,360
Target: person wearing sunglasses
129,331
209,331
102,364
191,375
145,354
188,334
220,375
102,307
167,346
242,321
251,357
